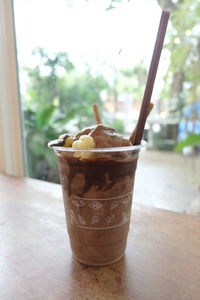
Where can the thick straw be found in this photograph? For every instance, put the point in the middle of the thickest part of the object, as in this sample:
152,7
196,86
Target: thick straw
151,76
97,114
131,139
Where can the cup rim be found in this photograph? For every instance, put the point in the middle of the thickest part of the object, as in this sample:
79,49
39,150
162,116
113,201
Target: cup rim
97,150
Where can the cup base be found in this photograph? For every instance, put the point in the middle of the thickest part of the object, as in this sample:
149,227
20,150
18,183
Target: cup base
98,264
101,255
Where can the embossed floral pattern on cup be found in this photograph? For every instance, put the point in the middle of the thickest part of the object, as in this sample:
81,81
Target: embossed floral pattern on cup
99,213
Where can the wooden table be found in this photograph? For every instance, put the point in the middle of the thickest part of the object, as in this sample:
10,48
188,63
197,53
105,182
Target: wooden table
162,260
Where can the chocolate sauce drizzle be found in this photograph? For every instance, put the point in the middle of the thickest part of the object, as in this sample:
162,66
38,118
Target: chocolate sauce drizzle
94,173
59,142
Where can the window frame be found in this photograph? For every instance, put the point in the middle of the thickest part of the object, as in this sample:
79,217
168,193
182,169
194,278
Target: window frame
11,133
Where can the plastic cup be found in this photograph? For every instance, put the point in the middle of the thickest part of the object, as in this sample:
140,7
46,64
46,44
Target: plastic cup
97,192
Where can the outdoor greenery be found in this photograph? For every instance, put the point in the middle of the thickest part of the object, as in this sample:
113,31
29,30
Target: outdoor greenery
182,80
59,98
192,140
183,75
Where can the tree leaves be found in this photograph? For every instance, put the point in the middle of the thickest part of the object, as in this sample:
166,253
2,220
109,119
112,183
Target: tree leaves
183,45
192,140
55,100
45,116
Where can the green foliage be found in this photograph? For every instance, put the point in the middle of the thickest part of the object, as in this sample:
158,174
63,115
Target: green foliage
113,4
192,140
184,47
131,81
56,102
58,97
184,41
118,124
77,94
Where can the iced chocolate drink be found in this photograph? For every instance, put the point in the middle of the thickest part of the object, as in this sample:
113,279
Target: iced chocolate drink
97,175
97,169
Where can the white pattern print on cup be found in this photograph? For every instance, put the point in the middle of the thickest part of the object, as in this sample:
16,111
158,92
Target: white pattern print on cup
127,199
95,220
114,205
110,219
81,220
78,203
96,205
71,216
125,217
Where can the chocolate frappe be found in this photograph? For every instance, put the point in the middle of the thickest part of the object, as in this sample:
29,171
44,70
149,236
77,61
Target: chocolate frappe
97,184
97,170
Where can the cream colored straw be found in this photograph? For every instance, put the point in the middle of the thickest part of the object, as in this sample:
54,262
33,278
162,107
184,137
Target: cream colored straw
96,113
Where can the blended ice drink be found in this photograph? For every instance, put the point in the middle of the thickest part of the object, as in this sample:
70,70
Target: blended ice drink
97,175
97,171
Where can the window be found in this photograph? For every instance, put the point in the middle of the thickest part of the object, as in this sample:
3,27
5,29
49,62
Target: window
74,53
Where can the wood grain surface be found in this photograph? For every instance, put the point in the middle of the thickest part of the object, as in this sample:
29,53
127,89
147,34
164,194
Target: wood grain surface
162,260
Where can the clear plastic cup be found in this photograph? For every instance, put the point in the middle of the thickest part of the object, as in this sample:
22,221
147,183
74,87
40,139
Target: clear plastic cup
97,187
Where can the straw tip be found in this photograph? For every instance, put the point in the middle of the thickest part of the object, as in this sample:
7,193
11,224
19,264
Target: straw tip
166,12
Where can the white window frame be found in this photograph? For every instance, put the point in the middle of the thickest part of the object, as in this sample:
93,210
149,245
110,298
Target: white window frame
11,148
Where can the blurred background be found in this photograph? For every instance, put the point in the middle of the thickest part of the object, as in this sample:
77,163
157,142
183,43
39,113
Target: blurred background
75,53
